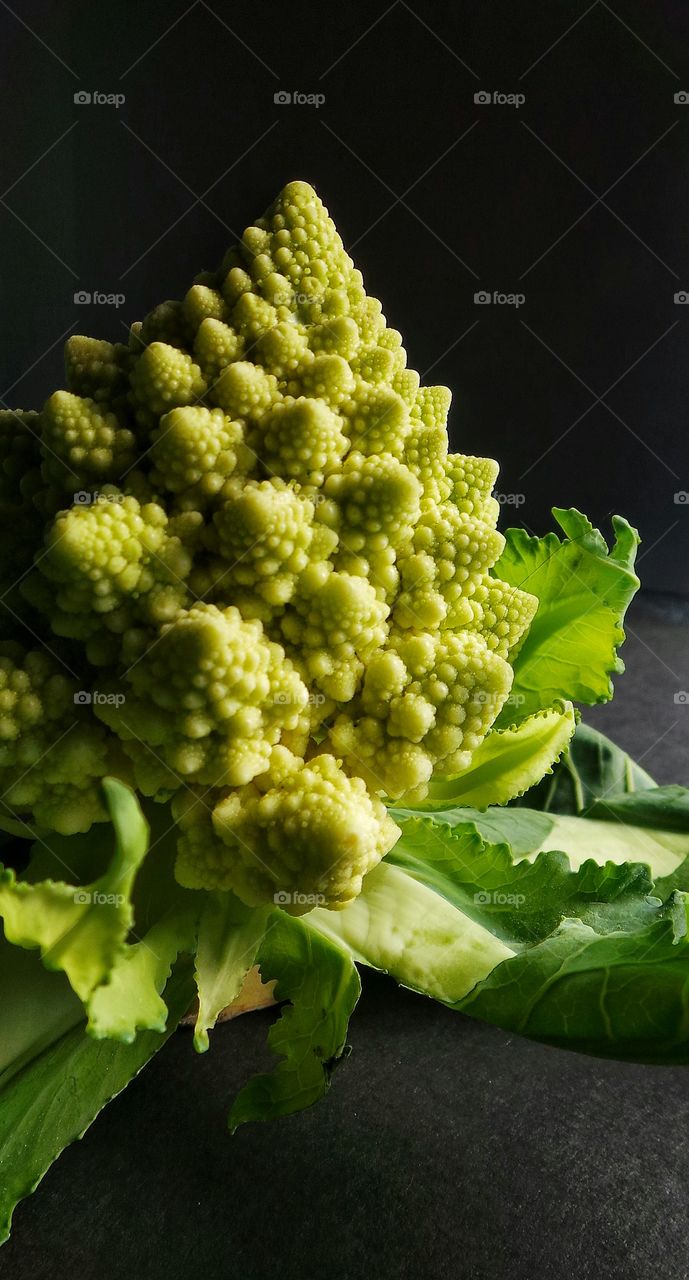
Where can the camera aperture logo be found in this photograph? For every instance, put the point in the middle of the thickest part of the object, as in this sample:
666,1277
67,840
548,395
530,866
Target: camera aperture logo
95,98
94,698
488,98
285,898
483,298
94,497
285,98
86,298
286,699
89,898
496,898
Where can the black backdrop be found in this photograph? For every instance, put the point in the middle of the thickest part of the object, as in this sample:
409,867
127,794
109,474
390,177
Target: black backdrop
574,198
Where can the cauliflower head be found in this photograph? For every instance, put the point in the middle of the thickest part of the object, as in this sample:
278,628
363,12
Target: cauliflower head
263,581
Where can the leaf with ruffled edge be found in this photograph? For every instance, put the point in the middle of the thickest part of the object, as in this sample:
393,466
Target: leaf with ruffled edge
81,928
321,983
583,589
507,763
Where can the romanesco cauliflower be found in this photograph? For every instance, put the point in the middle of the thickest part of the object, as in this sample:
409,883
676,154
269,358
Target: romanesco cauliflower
266,579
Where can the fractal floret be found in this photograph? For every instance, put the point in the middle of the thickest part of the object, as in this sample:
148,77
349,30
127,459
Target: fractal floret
264,583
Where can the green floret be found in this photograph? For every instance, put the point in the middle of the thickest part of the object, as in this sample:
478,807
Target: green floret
202,303
52,753
207,702
244,390
419,603
426,704
163,378
168,323
282,349
502,614
303,440
194,451
252,316
379,501
327,377
113,563
83,444
376,365
472,481
336,621
303,835
216,345
301,242
339,337
377,419
406,383
264,532
96,369
426,446
450,555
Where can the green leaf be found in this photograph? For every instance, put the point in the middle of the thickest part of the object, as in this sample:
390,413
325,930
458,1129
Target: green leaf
322,984
36,1008
666,807
166,919
583,589
593,768
59,1093
81,929
131,1000
524,830
403,927
586,952
229,937
507,763
623,995
521,902
600,804
528,833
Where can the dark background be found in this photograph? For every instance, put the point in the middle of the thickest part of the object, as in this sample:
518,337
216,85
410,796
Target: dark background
446,1148
577,199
